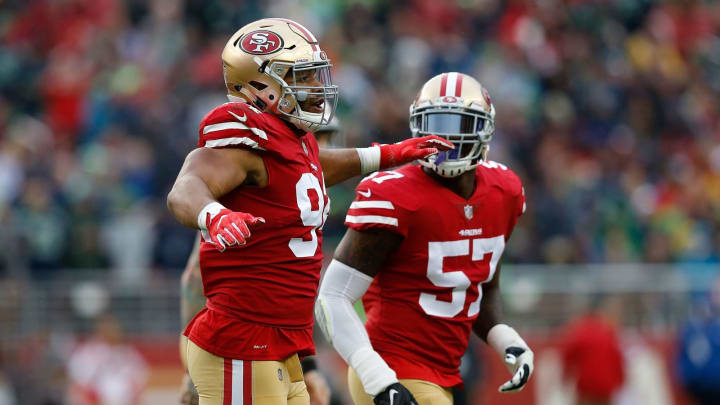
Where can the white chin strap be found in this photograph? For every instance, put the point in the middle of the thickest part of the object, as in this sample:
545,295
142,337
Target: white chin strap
301,124
449,169
306,121
309,121
457,167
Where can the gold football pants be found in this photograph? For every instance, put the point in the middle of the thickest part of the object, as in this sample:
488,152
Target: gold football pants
221,381
426,393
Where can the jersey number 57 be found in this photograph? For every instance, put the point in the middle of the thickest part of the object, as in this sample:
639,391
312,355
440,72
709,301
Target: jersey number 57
458,280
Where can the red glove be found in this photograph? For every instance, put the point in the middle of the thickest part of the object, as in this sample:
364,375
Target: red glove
225,228
411,149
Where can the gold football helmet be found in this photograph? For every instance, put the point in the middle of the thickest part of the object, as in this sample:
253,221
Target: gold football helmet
456,107
277,65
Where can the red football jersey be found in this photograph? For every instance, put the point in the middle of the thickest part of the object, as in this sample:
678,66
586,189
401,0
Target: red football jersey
260,297
422,304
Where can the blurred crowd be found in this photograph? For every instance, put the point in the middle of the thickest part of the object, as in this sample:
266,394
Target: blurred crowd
608,110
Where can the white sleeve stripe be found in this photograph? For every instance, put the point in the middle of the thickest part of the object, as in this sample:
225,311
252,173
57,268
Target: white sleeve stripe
216,143
371,219
372,204
233,125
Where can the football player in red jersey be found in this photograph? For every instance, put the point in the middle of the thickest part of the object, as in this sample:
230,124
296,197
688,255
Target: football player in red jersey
258,168
192,300
423,247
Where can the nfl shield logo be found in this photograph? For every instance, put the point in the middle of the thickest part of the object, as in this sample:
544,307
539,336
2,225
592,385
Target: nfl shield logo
468,211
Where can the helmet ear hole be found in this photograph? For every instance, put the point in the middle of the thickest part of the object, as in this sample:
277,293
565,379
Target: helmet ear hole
259,86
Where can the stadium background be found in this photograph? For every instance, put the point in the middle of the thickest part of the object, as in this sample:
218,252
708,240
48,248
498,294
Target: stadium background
608,110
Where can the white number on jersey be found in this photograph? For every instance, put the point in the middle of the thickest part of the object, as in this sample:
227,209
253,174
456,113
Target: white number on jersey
491,164
315,218
377,178
458,280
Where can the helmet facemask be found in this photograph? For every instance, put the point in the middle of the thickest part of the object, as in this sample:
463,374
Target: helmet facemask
468,128
308,97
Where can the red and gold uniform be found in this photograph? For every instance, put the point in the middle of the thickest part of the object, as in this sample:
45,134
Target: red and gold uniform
422,288
260,298
422,304
259,314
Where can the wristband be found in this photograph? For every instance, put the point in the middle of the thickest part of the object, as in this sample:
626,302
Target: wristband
501,336
213,209
369,159
308,364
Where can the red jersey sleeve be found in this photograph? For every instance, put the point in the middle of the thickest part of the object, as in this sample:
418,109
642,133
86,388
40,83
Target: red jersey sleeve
233,125
516,195
521,205
378,204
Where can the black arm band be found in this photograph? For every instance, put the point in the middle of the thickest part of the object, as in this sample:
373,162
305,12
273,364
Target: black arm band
308,364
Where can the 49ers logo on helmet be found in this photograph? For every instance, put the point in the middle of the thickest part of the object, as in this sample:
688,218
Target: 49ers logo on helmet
261,42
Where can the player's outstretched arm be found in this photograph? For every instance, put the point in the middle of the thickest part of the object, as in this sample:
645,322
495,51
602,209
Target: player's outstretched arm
503,339
358,258
342,164
207,175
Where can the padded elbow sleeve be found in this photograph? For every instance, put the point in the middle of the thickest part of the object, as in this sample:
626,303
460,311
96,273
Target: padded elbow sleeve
334,312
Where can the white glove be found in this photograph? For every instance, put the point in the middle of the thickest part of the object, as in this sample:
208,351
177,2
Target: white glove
515,353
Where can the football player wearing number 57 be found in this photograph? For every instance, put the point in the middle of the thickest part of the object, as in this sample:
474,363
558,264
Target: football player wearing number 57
255,188
423,251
